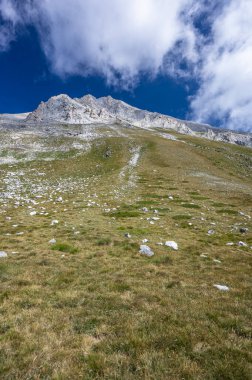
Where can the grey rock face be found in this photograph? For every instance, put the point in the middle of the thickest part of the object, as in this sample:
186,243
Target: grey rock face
89,110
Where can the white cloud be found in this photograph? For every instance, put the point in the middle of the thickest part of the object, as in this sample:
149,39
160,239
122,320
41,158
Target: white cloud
225,92
10,19
121,39
117,39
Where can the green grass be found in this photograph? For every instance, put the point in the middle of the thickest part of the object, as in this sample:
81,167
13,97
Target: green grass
124,214
64,247
107,312
190,205
103,241
182,217
227,211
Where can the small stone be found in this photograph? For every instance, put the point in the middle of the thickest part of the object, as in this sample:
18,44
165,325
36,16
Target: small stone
170,197
127,235
3,254
54,221
146,251
204,255
172,244
242,244
230,243
243,230
216,261
223,288
32,213
52,241
144,209
210,232
145,241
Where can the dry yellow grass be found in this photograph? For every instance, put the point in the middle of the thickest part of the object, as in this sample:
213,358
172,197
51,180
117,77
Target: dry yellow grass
89,306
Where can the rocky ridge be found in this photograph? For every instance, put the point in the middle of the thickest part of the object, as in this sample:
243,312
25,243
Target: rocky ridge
89,110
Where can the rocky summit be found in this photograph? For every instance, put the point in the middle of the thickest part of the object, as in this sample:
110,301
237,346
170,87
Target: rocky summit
89,110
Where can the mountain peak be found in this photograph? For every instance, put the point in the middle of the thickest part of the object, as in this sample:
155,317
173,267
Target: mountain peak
90,110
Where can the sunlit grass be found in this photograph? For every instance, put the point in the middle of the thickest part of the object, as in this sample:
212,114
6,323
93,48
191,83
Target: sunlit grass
89,306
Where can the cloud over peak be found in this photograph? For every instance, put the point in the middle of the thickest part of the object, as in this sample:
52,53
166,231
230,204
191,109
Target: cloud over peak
120,40
113,38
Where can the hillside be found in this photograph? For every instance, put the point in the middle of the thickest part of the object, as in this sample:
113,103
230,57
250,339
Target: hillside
78,300
89,110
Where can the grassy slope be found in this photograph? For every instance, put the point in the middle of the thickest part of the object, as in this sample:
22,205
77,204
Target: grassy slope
90,306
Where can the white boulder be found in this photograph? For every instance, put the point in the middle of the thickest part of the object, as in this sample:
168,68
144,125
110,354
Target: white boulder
146,251
223,288
172,244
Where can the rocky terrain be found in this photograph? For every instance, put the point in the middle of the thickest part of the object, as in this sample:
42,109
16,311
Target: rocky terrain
105,110
125,246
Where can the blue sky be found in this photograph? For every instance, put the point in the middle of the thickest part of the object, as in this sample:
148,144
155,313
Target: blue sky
189,59
26,79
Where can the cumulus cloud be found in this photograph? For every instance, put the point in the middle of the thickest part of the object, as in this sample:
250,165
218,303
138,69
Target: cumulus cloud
117,39
225,73
9,19
209,43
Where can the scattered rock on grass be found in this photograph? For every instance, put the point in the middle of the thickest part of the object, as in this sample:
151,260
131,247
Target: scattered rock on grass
243,230
52,241
172,244
242,244
146,251
223,288
3,254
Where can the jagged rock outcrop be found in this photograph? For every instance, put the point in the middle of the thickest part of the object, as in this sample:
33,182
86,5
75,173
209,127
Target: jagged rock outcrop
104,110
64,109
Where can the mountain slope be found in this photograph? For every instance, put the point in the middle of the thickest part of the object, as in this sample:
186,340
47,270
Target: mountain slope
78,301
89,110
